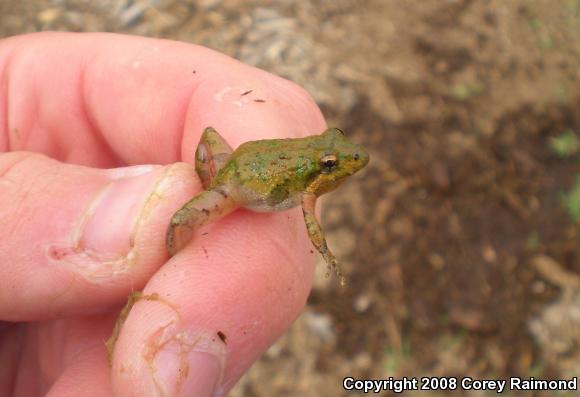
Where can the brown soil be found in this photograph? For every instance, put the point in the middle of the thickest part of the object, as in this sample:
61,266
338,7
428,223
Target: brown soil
443,235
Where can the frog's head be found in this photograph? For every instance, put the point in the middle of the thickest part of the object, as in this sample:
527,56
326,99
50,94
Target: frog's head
338,159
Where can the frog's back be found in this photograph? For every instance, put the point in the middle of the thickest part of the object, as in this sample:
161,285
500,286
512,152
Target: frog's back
269,175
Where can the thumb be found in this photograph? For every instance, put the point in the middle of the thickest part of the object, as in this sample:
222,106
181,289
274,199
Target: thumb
75,238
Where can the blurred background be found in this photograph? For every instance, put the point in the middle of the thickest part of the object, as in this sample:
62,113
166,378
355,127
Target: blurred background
461,239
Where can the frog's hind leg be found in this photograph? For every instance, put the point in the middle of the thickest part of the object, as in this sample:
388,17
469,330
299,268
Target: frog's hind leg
204,208
317,235
211,155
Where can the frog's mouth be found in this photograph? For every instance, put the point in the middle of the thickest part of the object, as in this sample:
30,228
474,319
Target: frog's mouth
354,163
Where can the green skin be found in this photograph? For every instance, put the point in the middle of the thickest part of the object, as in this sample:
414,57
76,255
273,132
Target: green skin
267,175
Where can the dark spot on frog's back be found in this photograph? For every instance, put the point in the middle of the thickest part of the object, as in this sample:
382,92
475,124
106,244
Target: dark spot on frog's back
221,192
278,194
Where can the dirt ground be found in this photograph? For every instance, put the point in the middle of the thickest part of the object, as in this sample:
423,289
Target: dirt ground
461,239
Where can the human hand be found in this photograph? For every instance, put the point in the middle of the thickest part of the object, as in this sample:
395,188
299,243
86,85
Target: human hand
78,234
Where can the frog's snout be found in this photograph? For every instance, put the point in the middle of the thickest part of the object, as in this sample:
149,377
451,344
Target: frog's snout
360,157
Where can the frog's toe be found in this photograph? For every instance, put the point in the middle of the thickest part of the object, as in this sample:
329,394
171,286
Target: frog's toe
178,236
335,266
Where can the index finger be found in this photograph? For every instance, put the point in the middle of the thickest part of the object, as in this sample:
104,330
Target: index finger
107,100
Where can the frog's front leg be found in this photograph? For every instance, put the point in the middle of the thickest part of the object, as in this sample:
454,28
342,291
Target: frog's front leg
211,155
204,208
317,235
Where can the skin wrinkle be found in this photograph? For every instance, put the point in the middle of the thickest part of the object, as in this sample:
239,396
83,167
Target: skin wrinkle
32,119
285,252
183,107
61,294
89,118
280,294
5,171
5,73
183,122
35,113
94,345
15,350
4,174
25,371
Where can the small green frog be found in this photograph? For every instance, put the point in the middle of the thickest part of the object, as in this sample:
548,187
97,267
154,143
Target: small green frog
267,175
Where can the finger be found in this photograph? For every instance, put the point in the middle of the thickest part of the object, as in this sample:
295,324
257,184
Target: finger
62,358
217,306
76,238
107,100
88,376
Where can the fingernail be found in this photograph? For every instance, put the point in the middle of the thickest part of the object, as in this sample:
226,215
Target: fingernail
110,219
190,365
103,239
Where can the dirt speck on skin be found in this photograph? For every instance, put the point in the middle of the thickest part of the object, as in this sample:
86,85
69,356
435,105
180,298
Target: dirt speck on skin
457,102
222,336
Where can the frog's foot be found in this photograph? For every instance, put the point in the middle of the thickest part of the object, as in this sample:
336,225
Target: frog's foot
204,208
317,236
178,235
338,273
211,155
332,265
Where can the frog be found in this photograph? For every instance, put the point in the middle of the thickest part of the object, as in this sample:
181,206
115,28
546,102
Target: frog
265,176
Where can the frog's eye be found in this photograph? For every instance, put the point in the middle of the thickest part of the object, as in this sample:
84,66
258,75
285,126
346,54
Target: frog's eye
340,131
328,161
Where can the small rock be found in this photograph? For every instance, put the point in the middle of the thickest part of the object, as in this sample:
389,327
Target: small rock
320,325
48,16
440,176
362,303
489,254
